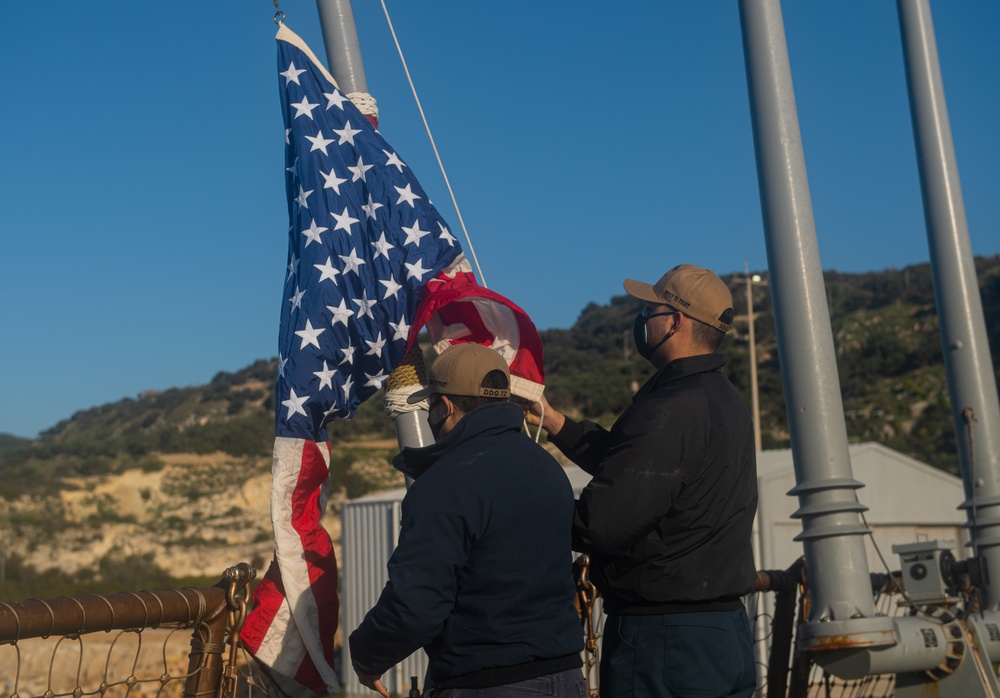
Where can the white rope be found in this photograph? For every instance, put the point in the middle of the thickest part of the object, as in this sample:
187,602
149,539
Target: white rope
365,103
541,418
427,127
395,404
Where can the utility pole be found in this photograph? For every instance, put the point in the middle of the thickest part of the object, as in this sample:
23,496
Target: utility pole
754,392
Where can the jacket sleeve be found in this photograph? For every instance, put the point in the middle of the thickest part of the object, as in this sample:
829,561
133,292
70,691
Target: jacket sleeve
635,482
420,594
584,443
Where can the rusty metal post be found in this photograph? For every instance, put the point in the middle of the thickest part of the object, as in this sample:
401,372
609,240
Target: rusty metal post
208,641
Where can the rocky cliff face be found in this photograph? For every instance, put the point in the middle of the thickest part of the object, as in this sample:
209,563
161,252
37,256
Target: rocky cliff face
194,517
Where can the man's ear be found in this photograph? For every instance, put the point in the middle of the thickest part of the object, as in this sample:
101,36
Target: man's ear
449,406
680,321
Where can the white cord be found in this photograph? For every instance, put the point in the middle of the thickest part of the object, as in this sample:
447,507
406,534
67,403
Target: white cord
365,103
527,427
395,401
472,251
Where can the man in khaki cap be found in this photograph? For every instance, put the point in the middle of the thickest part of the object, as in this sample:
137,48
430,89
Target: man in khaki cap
667,517
481,577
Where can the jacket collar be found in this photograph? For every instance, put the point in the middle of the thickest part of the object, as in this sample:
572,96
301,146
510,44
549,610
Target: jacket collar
681,368
485,420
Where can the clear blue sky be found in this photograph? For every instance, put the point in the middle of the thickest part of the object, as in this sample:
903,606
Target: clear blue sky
142,199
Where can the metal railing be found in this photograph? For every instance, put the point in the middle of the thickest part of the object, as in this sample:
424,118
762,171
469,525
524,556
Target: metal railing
71,628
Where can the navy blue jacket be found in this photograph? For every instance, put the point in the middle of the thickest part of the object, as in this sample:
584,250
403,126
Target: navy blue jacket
667,517
482,575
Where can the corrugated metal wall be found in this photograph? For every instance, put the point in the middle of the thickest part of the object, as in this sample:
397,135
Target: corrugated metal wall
370,530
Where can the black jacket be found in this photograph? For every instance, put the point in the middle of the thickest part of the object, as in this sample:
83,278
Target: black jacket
667,517
482,575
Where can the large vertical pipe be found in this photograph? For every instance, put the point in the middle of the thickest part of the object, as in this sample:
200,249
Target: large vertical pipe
343,50
842,612
975,408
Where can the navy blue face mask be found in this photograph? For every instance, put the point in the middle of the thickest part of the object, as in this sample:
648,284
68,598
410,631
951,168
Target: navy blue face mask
639,333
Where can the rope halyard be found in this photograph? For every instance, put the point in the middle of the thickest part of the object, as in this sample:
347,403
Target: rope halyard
454,202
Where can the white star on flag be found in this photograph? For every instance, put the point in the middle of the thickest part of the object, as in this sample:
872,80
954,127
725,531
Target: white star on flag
304,108
371,207
447,236
313,232
301,198
294,404
375,348
352,262
364,305
377,380
414,233
296,299
401,331
332,181
341,313
348,356
391,287
348,386
382,246
335,99
327,270
319,143
415,270
359,170
393,161
310,335
346,134
325,376
344,221
291,75
405,194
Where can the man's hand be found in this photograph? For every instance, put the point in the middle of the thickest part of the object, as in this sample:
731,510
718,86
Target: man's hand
543,413
372,682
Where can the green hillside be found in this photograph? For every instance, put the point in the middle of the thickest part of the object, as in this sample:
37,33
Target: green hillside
886,333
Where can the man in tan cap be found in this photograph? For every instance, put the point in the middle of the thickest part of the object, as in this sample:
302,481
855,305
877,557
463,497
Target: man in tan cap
667,517
481,577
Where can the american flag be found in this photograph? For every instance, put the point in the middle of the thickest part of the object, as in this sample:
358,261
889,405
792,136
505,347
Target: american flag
364,241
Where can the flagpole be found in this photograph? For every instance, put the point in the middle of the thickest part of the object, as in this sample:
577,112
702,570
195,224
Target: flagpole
343,50
343,54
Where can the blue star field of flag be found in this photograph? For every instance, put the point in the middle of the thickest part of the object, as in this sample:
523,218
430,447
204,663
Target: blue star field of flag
363,241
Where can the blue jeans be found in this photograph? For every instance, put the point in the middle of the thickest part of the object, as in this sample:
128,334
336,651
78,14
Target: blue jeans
565,684
678,655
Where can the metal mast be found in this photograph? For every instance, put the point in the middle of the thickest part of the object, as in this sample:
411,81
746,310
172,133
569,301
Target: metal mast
842,611
975,408
343,50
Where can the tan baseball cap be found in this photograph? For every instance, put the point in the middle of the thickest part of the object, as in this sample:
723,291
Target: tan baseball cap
692,290
460,370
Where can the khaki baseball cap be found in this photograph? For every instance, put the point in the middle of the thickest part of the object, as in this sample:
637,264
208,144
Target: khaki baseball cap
692,290
460,370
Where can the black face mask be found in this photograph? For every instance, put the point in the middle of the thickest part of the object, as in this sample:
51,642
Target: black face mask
639,333
433,422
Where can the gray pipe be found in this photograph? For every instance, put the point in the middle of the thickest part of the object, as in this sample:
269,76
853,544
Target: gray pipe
842,611
343,50
975,408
